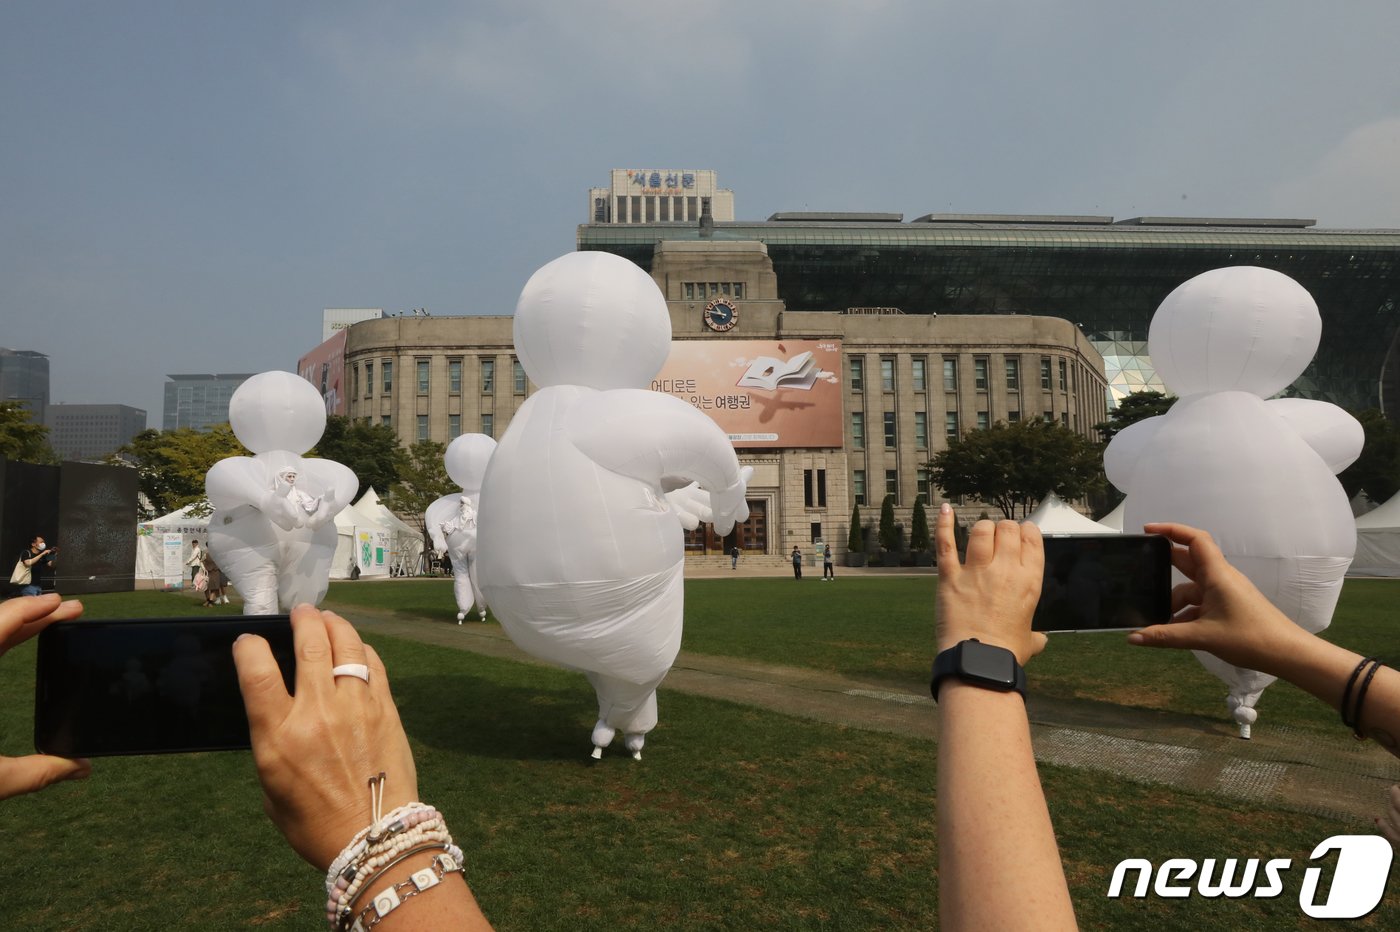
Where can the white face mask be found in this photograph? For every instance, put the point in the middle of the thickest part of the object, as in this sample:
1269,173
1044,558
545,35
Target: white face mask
40,545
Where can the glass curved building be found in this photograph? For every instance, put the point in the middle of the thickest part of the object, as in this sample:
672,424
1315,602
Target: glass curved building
1107,277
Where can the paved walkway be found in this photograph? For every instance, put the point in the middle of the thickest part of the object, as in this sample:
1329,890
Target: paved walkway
1322,774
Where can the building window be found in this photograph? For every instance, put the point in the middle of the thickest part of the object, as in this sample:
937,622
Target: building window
950,426
1049,417
857,373
354,391
920,430
422,427
816,531
1013,417
886,374
979,373
1064,377
454,425
422,366
858,430
369,379
983,420
814,488
920,373
488,376
1045,372
738,289
858,485
892,484
517,372
689,290
386,420
454,377
386,369
950,373
488,425
1064,418
924,486
889,430
1013,374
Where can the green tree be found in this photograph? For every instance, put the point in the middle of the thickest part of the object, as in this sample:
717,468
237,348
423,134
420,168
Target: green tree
1139,406
21,438
855,541
889,534
371,451
171,464
918,533
1013,466
1377,470
422,481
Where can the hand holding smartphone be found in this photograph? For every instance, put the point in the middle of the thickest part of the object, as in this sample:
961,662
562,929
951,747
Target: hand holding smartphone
147,685
1108,582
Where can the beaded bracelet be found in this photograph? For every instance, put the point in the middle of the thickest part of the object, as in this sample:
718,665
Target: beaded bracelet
392,897
371,866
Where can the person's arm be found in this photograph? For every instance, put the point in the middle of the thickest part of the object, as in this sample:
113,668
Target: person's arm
1219,610
316,752
998,862
30,561
20,619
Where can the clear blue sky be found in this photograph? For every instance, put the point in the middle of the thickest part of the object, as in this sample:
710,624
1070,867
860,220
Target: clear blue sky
184,186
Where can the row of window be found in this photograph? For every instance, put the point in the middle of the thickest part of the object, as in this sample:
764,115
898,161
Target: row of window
422,374
454,425
951,426
704,290
924,486
980,373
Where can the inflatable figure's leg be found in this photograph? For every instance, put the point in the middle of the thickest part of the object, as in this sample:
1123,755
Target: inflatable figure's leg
1243,711
461,589
305,569
626,707
245,546
476,587
602,737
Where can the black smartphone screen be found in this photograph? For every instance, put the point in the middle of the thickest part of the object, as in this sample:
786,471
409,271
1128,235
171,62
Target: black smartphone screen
1104,582
147,685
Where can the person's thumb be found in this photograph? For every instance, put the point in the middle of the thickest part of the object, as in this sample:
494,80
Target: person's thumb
29,774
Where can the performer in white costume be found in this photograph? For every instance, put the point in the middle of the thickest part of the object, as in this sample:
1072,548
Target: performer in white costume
1259,475
451,520
582,508
272,531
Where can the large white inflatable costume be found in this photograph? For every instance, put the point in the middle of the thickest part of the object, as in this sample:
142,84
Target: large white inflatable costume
1259,475
272,530
451,520
584,500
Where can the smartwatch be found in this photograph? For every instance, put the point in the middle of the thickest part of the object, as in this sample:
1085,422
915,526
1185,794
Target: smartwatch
980,664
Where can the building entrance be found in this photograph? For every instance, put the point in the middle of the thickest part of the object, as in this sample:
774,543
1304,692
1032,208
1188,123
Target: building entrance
751,536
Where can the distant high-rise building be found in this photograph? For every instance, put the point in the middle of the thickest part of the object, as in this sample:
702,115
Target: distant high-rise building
90,431
334,319
24,376
199,401
649,195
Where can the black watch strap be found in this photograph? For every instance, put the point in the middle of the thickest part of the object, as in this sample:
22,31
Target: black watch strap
984,665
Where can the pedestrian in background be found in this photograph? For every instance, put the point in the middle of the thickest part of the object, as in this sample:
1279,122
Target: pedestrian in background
796,563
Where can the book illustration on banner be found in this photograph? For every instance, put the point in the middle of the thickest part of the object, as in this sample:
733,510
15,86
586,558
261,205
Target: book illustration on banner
770,374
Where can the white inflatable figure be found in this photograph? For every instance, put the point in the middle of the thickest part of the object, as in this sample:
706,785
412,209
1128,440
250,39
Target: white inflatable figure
272,531
451,520
1259,475
584,500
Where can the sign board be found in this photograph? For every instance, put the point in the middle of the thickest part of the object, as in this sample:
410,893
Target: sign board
173,551
324,367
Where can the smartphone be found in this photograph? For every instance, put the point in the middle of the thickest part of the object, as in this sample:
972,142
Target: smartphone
147,685
1109,582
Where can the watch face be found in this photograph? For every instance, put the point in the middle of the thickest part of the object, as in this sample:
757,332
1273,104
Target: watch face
721,315
989,664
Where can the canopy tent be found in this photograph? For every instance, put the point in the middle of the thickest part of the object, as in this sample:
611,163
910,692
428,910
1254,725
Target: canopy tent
1053,516
1378,541
405,540
163,544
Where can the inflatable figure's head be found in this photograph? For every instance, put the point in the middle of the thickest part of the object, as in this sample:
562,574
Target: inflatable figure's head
277,411
1234,329
592,319
466,460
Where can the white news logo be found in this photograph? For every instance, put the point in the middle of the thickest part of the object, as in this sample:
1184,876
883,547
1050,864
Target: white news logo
1358,882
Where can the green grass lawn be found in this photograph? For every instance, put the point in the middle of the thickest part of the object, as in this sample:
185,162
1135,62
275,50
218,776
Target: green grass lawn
737,818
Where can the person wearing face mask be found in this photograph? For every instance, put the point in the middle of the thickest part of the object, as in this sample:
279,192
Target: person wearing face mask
39,557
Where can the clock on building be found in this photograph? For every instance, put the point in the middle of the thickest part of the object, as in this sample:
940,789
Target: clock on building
721,314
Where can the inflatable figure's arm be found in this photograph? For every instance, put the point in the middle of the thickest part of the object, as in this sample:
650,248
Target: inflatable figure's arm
652,437
241,480
438,514
1120,457
339,483
691,504
1336,436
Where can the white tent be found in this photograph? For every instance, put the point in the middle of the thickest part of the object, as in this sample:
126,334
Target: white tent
405,540
163,545
1053,516
1378,541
